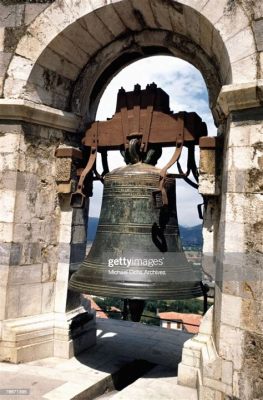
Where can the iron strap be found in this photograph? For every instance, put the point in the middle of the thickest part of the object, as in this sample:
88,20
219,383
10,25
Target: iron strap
78,198
174,159
92,159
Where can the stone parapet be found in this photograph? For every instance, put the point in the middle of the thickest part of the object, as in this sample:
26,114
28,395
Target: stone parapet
202,368
46,335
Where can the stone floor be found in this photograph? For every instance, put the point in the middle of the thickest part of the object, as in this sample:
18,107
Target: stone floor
89,375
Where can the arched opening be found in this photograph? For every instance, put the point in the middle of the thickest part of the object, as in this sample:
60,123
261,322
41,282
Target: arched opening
188,92
71,64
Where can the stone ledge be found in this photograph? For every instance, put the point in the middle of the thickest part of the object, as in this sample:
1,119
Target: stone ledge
27,111
240,96
31,338
89,375
201,367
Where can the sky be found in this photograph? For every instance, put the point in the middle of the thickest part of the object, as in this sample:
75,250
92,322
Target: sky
187,90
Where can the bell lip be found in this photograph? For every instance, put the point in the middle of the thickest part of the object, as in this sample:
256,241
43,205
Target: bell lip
123,293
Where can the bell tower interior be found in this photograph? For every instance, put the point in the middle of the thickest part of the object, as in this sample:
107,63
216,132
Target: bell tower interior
54,71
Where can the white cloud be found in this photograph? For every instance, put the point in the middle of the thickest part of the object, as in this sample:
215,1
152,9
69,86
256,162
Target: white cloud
182,81
187,91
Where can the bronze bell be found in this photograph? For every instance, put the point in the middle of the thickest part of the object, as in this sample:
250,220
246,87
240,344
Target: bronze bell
137,252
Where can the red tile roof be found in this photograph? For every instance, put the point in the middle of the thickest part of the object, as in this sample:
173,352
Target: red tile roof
94,306
194,319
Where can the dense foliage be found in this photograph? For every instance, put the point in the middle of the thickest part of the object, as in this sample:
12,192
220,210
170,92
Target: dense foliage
150,314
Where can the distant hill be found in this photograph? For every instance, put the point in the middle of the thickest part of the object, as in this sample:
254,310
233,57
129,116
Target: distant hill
92,228
191,236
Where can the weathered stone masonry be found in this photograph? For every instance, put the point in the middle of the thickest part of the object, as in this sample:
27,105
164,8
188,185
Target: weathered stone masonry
56,58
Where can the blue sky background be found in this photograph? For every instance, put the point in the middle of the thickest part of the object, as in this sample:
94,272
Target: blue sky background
187,90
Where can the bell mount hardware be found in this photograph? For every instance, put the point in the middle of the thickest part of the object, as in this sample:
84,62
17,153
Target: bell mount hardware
146,115
142,125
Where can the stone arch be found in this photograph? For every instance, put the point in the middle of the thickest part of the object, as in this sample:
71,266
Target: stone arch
67,51
109,61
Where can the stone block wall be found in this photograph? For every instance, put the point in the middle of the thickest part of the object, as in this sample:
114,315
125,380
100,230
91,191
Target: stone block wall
226,362
41,238
238,312
31,248
15,16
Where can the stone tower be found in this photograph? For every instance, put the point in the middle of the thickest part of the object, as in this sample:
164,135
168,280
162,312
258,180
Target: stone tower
56,59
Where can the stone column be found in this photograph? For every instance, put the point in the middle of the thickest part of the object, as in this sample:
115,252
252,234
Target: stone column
238,323
209,187
223,361
36,238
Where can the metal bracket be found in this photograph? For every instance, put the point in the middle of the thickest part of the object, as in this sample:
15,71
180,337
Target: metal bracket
78,198
160,195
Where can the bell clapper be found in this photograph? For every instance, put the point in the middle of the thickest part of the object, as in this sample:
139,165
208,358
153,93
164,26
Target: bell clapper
125,312
134,308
